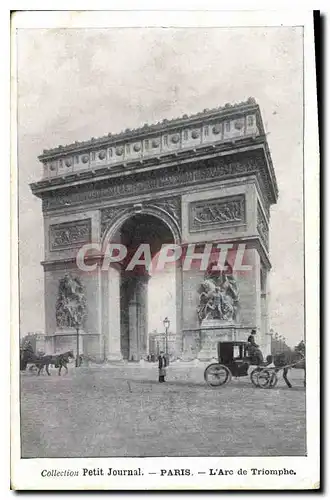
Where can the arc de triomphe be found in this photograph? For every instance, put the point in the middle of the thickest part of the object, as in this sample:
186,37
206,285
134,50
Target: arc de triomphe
203,179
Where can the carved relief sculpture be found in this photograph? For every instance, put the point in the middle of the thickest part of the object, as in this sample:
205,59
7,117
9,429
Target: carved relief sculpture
172,206
107,217
142,183
69,234
71,308
218,298
223,211
262,227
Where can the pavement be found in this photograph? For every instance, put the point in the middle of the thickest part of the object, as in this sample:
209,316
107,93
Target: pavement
122,410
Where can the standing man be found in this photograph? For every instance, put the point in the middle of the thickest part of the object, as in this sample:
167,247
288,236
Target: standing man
162,364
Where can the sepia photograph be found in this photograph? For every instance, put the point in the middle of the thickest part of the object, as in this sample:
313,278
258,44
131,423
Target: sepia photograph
161,247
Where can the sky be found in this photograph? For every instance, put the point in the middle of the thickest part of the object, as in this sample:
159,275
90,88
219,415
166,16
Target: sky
74,84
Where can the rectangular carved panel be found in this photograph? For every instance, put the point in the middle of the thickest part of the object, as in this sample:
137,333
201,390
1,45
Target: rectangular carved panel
217,213
69,234
262,227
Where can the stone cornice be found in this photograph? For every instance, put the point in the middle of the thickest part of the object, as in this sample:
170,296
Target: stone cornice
228,109
161,161
214,132
106,175
192,174
164,160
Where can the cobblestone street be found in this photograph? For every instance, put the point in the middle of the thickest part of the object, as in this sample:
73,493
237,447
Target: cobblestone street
122,410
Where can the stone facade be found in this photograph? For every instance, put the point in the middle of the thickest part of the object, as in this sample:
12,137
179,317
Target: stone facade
206,179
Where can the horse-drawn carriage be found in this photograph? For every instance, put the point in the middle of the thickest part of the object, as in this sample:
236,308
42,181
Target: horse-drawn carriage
234,361
29,357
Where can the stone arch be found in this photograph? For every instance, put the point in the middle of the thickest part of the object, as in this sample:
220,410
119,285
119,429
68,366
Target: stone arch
121,216
121,334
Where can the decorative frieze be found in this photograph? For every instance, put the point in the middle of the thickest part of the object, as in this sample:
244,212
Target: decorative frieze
262,227
220,212
175,138
185,175
69,234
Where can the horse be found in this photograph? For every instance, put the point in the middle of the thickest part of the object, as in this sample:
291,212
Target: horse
58,360
63,359
286,360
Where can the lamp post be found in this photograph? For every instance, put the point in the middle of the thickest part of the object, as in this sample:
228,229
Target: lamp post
77,344
166,324
281,343
284,344
77,325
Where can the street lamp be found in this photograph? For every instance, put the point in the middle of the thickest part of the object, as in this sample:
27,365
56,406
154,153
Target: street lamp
284,344
281,343
77,346
166,324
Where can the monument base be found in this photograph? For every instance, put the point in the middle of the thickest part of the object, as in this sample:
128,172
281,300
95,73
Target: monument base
64,339
114,358
213,331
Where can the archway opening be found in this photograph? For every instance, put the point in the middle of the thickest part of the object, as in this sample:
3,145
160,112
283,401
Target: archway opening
162,301
147,294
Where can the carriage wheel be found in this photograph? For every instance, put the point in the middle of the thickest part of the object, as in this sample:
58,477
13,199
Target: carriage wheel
267,379
254,376
216,375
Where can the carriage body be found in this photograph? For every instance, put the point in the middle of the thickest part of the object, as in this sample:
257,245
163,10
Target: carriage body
234,361
234,355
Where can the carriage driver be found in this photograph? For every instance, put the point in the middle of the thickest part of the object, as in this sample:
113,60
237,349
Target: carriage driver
253,348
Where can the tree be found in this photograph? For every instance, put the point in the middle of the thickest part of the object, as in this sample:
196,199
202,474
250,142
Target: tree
300,348
71,309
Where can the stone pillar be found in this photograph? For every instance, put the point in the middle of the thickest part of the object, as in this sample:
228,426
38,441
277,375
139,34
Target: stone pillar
100,355
264,313
138,324
133,323
256,275
179,341
142,310
114,352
